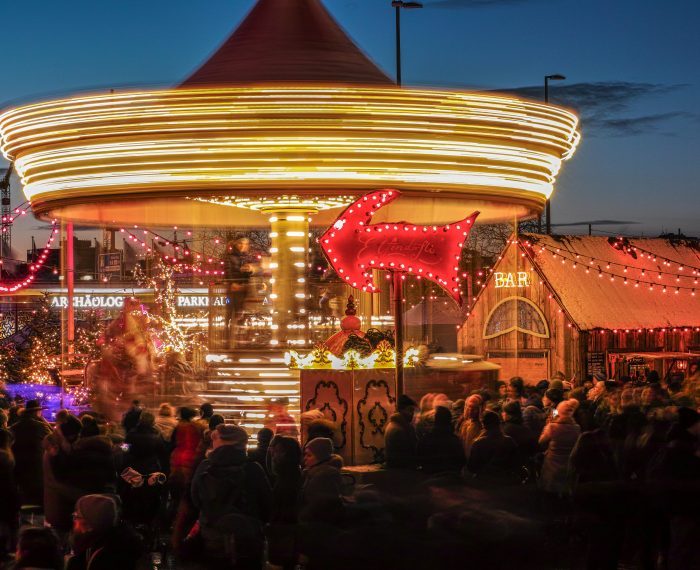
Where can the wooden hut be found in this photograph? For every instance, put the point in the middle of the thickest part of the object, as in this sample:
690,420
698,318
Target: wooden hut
586,304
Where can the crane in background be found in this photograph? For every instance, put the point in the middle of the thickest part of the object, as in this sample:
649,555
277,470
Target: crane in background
6,212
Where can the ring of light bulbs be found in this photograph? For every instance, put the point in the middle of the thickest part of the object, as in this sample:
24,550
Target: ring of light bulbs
265,141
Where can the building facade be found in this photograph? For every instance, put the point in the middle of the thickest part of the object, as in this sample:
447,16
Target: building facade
586,304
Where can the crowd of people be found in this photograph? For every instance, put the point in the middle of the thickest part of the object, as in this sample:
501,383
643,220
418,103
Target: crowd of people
160,488
613,464
620,457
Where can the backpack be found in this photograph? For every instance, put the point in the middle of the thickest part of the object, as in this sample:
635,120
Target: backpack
222,492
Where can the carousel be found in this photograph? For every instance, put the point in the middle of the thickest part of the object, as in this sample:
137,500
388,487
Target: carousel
286,124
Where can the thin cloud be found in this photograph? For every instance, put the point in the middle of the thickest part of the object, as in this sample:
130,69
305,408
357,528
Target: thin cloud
469,4
596,223
629,126
603,105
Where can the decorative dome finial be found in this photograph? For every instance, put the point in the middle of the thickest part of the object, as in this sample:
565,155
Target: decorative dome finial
350,309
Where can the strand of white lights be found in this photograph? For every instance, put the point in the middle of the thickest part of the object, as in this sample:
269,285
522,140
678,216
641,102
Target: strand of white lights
635,282
667,261
171,259
200,256
581,257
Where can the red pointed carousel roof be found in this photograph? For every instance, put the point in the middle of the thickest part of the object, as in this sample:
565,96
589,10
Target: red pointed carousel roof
288,41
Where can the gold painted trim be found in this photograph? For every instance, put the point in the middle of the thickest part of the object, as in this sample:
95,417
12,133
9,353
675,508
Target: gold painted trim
515,298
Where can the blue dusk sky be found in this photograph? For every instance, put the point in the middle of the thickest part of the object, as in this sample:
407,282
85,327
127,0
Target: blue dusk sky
632,68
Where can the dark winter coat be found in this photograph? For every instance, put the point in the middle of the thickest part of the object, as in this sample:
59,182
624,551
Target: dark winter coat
131,418
9,505
28,448
92,466
117,549
400,443
285,496
523,437
146,447
494,457
320,491
585,416
227,483
59,494
439,451
592,459
534,416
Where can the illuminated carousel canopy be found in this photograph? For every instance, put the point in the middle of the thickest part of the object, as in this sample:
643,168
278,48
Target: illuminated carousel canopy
245,135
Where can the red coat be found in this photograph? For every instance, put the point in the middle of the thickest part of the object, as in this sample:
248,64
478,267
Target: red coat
186,438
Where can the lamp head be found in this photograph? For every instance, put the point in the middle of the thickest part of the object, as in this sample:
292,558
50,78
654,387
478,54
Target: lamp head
402,4
555,77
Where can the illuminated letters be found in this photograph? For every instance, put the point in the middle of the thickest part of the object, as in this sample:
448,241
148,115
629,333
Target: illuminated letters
511,280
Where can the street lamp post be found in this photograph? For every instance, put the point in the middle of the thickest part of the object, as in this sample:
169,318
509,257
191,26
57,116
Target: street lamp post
397,276
397,5
548,205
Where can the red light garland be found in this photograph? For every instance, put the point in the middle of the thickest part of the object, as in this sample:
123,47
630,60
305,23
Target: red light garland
34,266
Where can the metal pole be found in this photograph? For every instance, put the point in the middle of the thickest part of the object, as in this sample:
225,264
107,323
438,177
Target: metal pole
70,279
398,46
547,205
398,323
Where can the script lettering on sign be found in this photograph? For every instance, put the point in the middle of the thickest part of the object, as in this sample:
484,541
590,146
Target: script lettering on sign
511,279
354,246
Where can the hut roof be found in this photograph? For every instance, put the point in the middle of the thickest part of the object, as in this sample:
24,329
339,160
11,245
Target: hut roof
600,298
288,41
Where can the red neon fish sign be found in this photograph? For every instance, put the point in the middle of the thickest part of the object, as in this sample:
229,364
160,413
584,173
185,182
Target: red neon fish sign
354,246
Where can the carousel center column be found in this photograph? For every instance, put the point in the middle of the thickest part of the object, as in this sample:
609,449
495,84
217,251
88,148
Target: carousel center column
289,233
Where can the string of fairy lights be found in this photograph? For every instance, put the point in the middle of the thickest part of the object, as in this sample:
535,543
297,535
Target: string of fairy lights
19,211
34,266
604,268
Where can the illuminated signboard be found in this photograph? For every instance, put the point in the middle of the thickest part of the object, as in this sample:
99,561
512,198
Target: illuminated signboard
90,301
354,246
512,279
199,301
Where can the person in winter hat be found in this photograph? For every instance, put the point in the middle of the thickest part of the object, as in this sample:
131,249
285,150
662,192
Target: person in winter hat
99,539
400,436
321,479
559,438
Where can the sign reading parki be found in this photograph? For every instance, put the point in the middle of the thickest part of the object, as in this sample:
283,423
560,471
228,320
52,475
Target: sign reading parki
86,301
511,279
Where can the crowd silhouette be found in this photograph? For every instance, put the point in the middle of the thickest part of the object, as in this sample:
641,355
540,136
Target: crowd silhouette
544,474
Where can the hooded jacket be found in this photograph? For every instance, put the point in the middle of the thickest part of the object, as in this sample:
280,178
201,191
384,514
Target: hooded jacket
400,443
227,483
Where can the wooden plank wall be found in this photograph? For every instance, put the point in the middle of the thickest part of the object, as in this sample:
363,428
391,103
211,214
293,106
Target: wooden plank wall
565,354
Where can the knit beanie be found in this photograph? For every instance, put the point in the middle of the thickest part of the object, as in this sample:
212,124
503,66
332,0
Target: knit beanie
567,408
490,420
513,409
233,435
556,384
578,394
321,448
555,396
99,511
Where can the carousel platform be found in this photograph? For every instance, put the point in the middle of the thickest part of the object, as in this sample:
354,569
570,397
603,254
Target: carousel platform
242,383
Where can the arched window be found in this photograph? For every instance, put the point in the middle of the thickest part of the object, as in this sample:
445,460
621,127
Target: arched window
516,314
